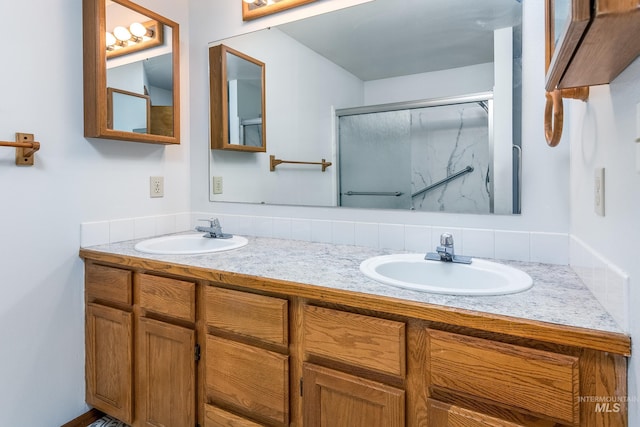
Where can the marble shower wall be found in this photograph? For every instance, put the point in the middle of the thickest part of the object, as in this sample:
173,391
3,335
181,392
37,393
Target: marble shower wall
408,150
445,140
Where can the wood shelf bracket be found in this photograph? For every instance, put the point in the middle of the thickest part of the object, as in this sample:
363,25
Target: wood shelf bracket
25,147
273,162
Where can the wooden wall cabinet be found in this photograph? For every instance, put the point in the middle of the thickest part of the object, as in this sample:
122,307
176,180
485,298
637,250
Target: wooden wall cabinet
101,69
276,359
590,46
237,101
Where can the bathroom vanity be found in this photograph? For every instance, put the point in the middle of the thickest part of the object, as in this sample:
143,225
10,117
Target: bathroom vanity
284,333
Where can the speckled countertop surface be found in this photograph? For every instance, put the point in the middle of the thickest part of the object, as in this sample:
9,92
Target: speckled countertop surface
558,296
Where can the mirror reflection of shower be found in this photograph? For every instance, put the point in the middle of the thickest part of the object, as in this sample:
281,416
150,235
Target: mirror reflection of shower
432,155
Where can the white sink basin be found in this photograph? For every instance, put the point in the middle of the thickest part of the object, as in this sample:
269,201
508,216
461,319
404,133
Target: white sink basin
188,244
412,271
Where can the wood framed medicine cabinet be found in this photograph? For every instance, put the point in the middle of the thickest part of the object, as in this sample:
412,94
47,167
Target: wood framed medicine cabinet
588,43
148,65
237,97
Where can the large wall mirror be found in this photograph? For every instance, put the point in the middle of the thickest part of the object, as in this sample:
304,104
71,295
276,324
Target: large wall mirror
417,104
131,73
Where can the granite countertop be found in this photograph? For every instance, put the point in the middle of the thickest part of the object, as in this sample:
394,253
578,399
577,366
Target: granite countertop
557,296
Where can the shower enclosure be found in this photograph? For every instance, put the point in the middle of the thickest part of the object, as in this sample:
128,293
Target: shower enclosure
433,155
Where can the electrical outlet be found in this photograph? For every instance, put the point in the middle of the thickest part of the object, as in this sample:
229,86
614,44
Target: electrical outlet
156,186
217,185
598,191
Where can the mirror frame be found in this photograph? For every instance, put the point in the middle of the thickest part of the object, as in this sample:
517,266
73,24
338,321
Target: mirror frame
267,9
219,100
95,74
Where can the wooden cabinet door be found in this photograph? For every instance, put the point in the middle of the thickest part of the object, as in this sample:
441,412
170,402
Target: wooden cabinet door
166,375
336,399
445,415
109,345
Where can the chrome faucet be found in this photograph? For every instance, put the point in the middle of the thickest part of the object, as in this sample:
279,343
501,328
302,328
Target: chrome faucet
445,252
214,230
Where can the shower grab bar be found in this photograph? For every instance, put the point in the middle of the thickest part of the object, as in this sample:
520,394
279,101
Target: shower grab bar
373,193
273,162
451,177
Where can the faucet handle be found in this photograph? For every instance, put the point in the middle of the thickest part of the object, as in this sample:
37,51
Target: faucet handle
446,239
212,221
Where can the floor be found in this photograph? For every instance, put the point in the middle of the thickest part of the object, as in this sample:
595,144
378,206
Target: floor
107,421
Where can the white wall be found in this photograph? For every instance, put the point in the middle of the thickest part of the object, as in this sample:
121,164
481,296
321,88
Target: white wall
74,179
602,132
435,84
545,172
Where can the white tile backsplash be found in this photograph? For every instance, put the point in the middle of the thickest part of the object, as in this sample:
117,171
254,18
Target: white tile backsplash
477,243
343,232
94,233
282,228
320,231
417,238
301,229
366,234
549,248
144,227
606,281
165,224
262,226
512,245
121,230
391,236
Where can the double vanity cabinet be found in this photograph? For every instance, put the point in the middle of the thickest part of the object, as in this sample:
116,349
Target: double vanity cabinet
180,344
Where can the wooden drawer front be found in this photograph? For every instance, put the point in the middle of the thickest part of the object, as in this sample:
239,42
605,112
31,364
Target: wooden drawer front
363,341
539,382
216,417
170,297
444,415
108,284
257,316
248,378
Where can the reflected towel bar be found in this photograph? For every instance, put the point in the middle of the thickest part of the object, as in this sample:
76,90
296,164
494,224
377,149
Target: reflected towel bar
444,181
275,162
25,148
373,193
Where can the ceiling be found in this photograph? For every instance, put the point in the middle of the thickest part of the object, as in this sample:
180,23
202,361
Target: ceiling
389,38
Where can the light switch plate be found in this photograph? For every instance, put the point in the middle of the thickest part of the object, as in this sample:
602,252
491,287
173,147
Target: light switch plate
217,185
598,191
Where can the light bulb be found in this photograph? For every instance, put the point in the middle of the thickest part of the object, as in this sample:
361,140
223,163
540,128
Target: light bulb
138,30
121,33
111,40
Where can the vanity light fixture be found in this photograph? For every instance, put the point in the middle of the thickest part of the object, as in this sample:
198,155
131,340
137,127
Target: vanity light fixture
252,9
137,37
